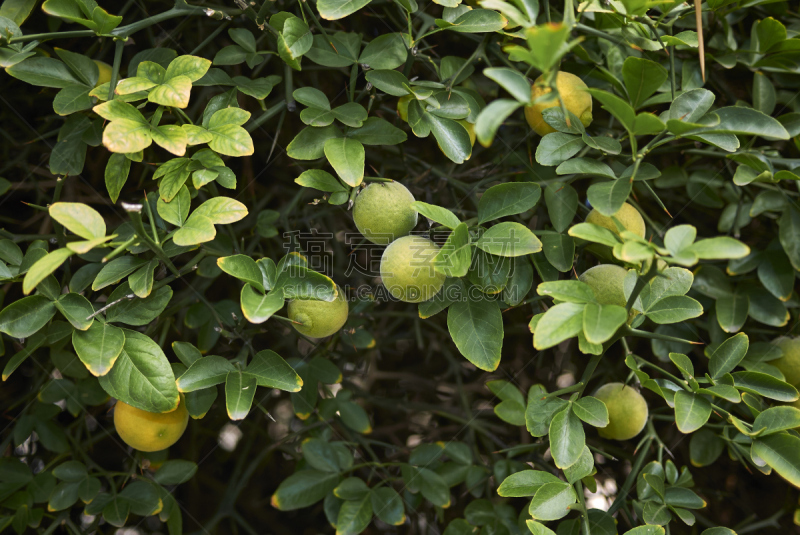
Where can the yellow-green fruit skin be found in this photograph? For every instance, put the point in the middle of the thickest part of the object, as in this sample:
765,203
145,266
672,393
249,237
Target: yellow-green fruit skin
104,74
149,431
607,282
407,269
382,212
789,363
570,88
627,411
319,318
629,216
402,107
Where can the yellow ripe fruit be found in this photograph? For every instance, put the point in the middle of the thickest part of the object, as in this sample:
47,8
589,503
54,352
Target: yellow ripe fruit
319,318
407,269
576,99
382,212
402,106
150,431
627,411
789,363
105,73
629,216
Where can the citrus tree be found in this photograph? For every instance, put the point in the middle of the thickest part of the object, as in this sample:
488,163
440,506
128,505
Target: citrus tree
495,267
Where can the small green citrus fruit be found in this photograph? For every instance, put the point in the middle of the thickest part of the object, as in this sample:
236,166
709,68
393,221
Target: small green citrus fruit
319,318
382,212
627,411
407,269
789,363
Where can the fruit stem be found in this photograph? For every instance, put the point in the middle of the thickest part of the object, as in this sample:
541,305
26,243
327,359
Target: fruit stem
586,529
284,318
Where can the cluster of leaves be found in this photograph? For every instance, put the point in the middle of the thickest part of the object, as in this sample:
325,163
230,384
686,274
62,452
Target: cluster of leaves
150,298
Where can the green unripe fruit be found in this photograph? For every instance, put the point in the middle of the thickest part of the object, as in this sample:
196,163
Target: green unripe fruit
607,282
576,99
382,212
407,269
789,363
629,216
319,318
627,411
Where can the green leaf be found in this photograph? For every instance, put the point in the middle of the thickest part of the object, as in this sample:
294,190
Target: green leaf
303,488
566,438
776,419
508,199
99,346
243,268
17,10
552,501
299,282
76,309
319,179
455,255
388,506
525,483
44,72
142,376
192,67
674,309
560,322
377,131
594,233
600,322
26,316
512,81
354,516
137,311
116,270
728,355
691,411
557,147
478,21
572,291
177,209
782,453
492,117
204,373
476,326
546,45
199,227
338,9
141,280
43,267
764,385
227,135
608,197
387,51
642,78
453,138
258,307
443,216
346,156
719,248
616,107
509,239
272,371
240,389
591,410
79,219
116,174
175,472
